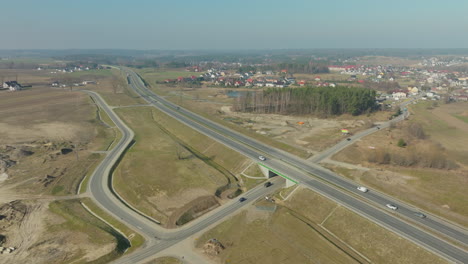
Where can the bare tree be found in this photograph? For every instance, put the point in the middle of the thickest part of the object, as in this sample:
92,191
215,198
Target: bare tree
416,130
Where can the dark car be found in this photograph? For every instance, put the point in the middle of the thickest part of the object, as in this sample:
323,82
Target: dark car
242,199
268,184
349,139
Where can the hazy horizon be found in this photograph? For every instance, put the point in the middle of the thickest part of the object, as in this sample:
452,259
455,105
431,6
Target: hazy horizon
239,25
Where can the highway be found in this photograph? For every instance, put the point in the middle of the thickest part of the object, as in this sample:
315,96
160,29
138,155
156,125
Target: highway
326,182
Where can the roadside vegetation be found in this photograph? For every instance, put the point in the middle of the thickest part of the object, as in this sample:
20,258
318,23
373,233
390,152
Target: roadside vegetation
97,234
135,239
164,260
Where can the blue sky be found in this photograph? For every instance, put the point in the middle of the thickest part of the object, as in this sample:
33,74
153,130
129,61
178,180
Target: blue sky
233,24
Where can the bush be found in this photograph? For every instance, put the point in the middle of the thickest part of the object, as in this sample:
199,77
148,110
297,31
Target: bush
401,143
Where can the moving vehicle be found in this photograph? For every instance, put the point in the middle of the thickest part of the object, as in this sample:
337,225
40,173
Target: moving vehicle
362,189
349,139
420,215
267,184
242,199
261,157
392,206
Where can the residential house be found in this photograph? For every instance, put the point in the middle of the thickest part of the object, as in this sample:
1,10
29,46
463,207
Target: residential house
461,98
398,95
413,90
12,85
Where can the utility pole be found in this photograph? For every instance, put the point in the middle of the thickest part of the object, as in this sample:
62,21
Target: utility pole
180,96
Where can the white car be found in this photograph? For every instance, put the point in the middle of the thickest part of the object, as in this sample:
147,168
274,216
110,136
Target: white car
392,206
261,158
362,189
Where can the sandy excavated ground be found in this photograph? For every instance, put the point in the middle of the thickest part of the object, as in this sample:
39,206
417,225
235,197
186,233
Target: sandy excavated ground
25,226
40,120
289,130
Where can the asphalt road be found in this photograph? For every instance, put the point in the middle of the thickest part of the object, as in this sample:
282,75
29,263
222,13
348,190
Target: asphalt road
345,143
283,162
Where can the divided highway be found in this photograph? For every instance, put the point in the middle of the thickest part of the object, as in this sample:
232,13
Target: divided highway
326,182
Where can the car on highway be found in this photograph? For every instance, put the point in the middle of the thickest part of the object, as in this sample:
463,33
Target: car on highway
349,139
420,215
242,199
362,189
261,158
391,206
268,184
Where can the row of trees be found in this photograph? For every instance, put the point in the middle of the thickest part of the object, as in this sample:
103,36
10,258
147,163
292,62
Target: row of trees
310,67
323,101
430,156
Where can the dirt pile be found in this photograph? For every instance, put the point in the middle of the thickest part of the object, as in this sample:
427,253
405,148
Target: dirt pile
213,247
10,214
10,155
6,162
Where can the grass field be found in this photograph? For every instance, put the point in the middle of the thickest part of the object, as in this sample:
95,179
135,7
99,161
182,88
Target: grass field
153,75
164,260
312,205
304,230
463,118
259,237
91,73
375,242
112,86
227,159
152,177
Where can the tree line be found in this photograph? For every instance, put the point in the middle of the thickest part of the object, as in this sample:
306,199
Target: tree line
311,67
322,101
